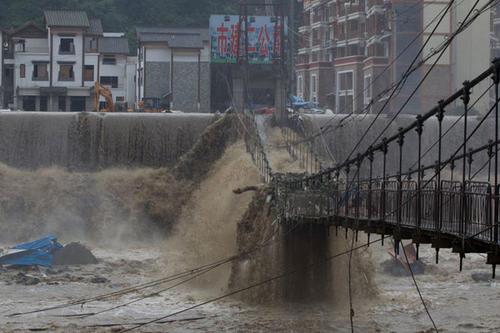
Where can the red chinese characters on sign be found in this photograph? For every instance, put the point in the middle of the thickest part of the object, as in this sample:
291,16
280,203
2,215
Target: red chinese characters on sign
222,40
264,41
235,40
277,40
251,49
258,40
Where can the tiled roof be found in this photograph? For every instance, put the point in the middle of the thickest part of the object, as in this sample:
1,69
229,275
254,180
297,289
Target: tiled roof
66,18
95,27
113,45
175,37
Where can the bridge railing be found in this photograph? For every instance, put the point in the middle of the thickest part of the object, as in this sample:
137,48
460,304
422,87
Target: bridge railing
464,208
255,148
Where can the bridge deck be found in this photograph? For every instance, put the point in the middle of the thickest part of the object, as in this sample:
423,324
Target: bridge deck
430,215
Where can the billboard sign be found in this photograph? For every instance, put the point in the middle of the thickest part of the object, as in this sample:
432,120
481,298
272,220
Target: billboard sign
264,39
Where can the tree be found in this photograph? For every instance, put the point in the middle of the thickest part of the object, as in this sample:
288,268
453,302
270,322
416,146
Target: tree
121,15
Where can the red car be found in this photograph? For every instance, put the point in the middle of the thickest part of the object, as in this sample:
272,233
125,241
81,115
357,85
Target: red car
264,110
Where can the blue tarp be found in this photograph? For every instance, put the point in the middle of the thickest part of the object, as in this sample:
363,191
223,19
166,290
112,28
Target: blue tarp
38,252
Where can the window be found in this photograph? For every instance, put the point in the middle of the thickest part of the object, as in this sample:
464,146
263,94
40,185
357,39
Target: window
345,81
20,46
22,71
345,92
66,73
313,84
110,81
91,45
88,73
381,50
44,103
67,46
40,72
62,103
299,86
120,99
367,89
109,61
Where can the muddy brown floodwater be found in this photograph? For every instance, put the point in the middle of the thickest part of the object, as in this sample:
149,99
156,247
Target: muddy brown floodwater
207,230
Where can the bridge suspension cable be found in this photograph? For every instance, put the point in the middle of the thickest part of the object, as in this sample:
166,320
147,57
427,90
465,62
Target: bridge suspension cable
465,23
410,70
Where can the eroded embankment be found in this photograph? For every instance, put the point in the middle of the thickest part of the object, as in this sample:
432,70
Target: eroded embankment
305,251
111,204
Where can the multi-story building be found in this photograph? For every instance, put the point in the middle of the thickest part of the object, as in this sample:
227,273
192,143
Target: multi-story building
352,52
174,66
56,66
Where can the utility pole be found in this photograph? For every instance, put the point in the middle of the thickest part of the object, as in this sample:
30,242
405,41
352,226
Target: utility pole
291,47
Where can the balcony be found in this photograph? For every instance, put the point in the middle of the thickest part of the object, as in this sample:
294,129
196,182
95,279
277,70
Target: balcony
353,8
371,3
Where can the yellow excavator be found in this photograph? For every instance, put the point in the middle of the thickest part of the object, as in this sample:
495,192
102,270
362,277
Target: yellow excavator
100,90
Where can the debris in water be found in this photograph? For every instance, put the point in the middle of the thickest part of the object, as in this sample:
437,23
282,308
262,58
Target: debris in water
39,253
26,280
74,254
99,279
47,252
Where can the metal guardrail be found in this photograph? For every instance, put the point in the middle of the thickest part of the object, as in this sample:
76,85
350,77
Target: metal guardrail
463,215
255,148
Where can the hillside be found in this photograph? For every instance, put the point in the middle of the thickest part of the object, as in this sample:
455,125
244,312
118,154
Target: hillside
120,15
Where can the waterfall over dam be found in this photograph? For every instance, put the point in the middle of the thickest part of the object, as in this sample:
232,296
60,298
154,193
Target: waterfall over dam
92,141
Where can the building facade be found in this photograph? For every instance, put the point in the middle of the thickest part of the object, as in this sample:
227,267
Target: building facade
352,52
55,66
173,66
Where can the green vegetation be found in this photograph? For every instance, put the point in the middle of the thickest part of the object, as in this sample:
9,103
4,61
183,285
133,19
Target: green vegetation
120,15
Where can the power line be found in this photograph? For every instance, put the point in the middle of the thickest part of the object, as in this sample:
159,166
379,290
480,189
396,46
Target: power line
252,286
463,26
407,73
418,289
386,91
393,88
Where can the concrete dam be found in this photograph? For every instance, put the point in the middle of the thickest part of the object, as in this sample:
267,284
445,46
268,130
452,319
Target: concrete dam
93,141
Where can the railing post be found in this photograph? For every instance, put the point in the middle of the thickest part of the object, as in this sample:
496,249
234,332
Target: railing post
463,215
490,156
358,191
496,81
346,196
437,198
369,200
418,217
401,141
384,179
470,159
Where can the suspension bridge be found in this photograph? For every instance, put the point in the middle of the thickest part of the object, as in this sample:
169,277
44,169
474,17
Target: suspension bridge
440,203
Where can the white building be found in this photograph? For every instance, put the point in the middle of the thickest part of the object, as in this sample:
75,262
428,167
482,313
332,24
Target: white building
55,67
